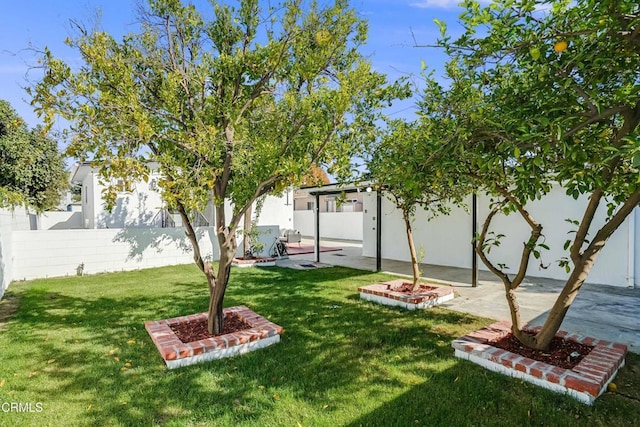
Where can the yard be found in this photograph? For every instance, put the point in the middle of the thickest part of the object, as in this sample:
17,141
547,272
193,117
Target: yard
77,346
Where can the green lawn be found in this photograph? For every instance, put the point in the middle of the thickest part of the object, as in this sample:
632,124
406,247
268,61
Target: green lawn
78,346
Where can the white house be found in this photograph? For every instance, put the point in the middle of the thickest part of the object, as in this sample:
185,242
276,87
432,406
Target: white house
143,207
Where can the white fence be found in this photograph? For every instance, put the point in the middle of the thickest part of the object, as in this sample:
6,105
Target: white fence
9,221
333,225
446,240
51,253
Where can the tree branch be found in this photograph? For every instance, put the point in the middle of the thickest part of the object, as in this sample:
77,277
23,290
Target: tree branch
597,118
480,249
612,225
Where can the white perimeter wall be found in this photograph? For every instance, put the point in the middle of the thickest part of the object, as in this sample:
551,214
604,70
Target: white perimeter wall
333,225
51,253
446,240
9,221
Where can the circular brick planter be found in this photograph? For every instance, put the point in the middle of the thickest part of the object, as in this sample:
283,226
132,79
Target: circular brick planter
383,293
254,262
585,382
176,353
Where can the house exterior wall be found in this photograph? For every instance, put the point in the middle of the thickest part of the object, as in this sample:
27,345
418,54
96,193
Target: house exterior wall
52,253
446,240
351,202
278,210
135,209
60,221
89,200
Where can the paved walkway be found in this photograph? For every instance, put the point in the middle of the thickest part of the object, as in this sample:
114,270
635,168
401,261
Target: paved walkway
601,311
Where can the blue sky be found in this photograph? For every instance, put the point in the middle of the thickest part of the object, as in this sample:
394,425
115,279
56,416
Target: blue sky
34,24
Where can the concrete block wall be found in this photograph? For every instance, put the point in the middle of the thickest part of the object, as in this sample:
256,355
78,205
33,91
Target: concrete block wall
52,253
446,240
9,221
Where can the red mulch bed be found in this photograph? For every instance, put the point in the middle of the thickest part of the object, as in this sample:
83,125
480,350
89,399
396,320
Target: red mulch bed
559,353
406,287
195,331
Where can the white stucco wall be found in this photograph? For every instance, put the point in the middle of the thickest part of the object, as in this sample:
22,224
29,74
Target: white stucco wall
266,235
333,225
52,253
446,240
89,200
60,221
135,209
278,210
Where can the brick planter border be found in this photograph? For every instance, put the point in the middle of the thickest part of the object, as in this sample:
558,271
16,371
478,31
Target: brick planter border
177,354
259,262
585,382
381,293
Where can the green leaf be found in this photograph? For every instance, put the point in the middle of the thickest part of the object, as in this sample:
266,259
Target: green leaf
535,53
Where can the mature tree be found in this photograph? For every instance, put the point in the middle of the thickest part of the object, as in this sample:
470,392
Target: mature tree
557,99
415,168
234,107
31,166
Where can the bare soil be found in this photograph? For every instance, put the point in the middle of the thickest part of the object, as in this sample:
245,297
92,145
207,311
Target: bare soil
8,306
562,353
406,289
195,331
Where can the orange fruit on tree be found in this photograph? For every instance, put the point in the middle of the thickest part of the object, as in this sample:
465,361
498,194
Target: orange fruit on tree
560,46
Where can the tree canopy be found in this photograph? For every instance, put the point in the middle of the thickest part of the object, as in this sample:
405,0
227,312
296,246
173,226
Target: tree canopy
556,98
232,107
413,165
31,166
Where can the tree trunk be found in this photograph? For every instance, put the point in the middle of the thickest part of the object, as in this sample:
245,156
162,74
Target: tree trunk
246,241
563,302
218,285
582,266
412,250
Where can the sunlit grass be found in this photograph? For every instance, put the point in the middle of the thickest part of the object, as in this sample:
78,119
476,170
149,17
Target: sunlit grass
78,346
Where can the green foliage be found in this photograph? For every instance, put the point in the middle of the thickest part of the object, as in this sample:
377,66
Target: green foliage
31,167
543,93
570,114
239,106
554,97
415,166
232,108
